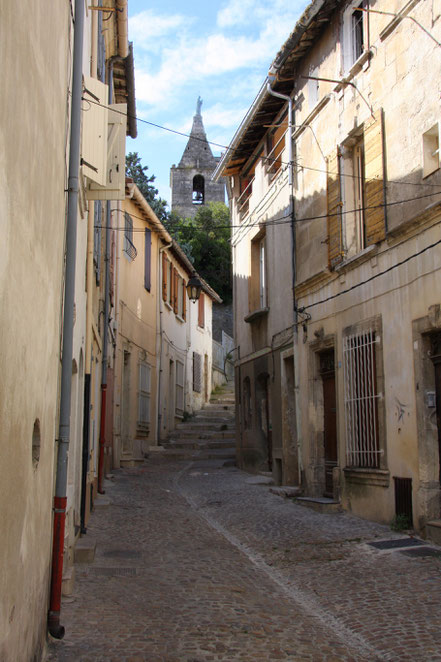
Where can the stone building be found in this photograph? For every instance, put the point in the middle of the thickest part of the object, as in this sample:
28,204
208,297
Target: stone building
190,181
334,190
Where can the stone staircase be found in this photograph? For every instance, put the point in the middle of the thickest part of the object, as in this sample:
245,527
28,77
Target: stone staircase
209,434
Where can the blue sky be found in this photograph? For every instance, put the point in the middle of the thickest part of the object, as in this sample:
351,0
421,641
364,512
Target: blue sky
218,49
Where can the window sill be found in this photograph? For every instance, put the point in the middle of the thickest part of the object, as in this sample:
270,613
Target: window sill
142,429
358,65
362,476
256,314
355,260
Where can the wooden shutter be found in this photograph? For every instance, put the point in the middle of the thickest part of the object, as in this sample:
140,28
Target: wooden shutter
184,300
375,192
201,310
175,290
335,243
164,276
147,258
197,372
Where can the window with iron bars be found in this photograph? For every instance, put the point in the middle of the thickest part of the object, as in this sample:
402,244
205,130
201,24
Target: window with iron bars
361,400
129,247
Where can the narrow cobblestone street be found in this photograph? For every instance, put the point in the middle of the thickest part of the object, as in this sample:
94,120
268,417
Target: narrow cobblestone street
195,563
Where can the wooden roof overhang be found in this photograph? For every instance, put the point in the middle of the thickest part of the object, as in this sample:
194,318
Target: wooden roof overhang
266,107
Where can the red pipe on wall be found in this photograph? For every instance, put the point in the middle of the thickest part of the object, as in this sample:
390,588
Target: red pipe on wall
57,630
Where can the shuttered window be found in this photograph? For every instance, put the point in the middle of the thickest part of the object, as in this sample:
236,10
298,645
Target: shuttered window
356,201
374,173
174,298
179,388
201,310
335,239
164,276
197,372
147,258
184,300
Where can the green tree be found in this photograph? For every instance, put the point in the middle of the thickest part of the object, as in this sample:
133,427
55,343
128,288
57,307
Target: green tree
206,240
144,182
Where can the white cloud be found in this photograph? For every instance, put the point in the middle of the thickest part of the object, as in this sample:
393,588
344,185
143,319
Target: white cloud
147,28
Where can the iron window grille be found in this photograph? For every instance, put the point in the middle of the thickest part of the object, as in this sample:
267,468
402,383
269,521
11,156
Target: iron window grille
361,400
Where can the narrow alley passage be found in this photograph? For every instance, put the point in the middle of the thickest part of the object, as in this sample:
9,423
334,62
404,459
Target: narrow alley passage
194,562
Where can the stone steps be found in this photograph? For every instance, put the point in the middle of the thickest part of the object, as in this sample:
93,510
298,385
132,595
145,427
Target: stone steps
208,435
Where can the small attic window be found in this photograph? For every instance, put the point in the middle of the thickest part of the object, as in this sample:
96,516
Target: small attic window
198,190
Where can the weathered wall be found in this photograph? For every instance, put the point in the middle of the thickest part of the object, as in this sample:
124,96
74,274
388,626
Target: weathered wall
35,45
393,78
137,329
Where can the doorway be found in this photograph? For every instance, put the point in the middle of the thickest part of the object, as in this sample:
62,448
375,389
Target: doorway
435,355
327,374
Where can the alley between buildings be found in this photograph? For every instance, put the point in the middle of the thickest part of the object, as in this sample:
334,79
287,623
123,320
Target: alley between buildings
195,562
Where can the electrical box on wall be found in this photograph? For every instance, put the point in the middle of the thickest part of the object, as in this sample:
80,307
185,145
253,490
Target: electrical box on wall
431,399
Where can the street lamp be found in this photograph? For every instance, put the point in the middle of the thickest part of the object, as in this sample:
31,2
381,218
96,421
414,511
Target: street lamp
194,287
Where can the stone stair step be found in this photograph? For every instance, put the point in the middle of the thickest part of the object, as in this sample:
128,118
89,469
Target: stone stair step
201,433
206,425
199,444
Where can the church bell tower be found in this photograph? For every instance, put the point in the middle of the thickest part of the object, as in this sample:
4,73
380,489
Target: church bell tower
190,181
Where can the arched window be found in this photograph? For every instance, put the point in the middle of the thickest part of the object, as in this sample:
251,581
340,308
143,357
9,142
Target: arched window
198,190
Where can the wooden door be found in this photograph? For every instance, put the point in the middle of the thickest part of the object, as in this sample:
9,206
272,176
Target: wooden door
329,418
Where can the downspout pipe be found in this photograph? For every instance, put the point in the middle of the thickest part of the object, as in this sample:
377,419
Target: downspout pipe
272,76
102,441
60,498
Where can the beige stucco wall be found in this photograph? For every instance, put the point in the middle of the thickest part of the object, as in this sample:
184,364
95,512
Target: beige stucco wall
33,107
136,334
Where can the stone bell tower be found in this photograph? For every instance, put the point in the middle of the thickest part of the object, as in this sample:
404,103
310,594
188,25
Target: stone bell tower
190,181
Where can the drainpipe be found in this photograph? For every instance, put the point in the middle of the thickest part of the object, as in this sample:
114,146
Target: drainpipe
60,498
272,75
102,440
89,307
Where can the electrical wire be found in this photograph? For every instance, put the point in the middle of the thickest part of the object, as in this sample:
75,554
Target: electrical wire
281,220
371,278
271,159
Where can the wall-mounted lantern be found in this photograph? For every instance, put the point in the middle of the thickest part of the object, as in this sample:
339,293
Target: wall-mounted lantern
194,287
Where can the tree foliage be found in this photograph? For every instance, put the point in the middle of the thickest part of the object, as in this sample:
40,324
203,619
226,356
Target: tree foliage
206,241
144,182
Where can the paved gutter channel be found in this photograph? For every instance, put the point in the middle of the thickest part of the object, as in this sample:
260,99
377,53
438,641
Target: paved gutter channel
195,564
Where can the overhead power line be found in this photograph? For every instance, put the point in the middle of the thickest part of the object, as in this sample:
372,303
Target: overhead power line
262,157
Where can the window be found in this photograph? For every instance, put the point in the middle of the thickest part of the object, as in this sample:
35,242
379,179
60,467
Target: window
181,297
179,388
355,186
129,248
147,258
143,396
201,310
352,168
361,400
354,33
165,272
198,190
313,88
431,150
257,290
197,372
275,147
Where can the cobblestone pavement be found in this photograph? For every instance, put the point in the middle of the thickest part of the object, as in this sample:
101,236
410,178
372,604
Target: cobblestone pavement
195,564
